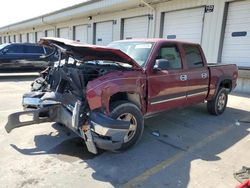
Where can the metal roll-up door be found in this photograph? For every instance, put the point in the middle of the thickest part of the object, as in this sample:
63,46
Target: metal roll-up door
18,38
31,38
50,33
39,35
24,37
12,38
184,25
81,33
137,27
236,45
63,33
104,33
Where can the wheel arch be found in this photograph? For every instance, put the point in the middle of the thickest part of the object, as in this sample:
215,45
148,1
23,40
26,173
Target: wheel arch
224,82
133,97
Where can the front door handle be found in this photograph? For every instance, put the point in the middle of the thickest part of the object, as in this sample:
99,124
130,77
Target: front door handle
183,77
204,75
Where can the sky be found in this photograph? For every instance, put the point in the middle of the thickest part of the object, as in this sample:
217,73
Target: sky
13,11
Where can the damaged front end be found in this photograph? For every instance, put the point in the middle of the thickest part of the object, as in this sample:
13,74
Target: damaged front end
97,129
60,96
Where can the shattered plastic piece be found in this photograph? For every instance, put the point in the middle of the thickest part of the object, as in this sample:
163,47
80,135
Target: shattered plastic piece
155,133
243,174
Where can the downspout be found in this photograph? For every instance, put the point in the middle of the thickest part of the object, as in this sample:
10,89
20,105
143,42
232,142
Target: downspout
154,14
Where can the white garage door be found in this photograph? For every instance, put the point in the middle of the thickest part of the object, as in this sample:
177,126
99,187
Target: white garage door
50,33
136,27
81,33
31,38
185,25
236,46
64,32
17,38
24,37
12,38
104,33
39,35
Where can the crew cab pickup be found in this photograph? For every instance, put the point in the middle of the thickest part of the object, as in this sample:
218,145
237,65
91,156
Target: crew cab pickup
103,94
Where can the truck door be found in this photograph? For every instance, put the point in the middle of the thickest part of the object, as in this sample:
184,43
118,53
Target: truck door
197,74
167,84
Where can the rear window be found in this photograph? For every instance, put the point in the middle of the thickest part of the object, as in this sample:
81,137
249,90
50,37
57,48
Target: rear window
34,49
193,55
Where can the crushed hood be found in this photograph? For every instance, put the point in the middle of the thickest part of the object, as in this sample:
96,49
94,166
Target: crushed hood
87,52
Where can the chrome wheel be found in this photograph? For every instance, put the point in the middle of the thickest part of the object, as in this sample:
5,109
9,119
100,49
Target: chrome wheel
221,101
133,125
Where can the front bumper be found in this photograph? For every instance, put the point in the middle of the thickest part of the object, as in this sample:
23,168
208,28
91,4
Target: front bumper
98,131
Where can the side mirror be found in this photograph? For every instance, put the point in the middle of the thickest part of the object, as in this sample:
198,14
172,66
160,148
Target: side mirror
161,64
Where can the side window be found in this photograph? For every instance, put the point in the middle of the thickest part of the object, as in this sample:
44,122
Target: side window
172,54
15,49
194,58
34,49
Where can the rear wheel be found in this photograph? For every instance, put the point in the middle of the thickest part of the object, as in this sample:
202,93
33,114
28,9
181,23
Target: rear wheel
218,105
127,111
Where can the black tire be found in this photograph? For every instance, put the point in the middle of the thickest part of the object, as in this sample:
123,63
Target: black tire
117,109
218,105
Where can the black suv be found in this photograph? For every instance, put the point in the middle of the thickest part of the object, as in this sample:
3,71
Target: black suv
24,56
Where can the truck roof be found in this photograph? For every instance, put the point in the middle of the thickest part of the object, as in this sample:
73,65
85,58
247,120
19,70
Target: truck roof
155,40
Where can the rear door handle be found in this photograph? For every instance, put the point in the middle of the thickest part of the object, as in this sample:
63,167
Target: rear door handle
204,75
183,77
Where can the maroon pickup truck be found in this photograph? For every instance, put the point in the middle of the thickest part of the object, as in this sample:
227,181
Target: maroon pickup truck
104,93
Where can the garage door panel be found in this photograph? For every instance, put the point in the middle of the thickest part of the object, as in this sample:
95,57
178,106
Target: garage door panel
24,38
240,53
81,33
240,60
241,5
136,27
104,33
236,48
64,33
40,34
182,13
50,33
31,38
184,24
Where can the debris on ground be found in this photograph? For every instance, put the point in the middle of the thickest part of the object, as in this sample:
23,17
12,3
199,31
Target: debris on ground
156,133
243,174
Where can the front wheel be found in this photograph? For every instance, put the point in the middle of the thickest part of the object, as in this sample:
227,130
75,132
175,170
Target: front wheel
218,105
127,111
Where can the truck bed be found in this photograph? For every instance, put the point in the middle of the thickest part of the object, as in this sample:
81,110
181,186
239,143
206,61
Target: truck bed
220,72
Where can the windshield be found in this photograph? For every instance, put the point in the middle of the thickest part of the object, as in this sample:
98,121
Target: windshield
3,45
139,51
